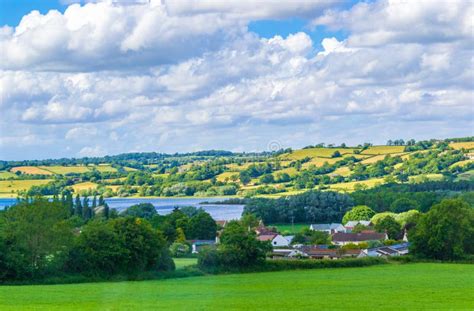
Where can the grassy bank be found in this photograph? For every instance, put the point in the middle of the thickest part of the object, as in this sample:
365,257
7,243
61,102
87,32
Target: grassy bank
383,287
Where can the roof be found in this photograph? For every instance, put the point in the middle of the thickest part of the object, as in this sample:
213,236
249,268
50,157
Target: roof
289,238
353,223
323,227
357,237
266,237
262,230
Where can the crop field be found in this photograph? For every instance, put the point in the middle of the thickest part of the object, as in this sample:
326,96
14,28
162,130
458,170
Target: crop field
384,149
84,186
315,152
8,188
320,162
425,286
289,170
33,170
60,169
469,175
462,163
468,145
349,186
104,168
343,171
226,176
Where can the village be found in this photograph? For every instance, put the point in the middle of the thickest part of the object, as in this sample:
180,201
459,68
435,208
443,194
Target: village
355,239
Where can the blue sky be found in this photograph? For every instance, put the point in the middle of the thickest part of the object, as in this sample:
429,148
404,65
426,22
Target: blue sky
240,75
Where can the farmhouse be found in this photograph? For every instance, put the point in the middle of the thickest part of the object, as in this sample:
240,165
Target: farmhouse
343,238
329,228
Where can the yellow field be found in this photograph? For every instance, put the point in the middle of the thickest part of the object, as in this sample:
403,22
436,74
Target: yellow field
380,157
33,170
342,171
8,188
384,149
462,163
104,168
60,169
129,169
289,170
315,152
466,145
226,175
320,162
237,168
84,186
349,186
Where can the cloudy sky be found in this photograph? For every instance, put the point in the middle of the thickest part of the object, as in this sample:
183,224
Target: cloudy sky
89,79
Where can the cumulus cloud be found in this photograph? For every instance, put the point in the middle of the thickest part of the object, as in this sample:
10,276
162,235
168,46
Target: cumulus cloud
173,77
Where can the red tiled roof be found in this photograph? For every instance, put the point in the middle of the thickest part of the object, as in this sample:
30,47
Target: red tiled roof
266,237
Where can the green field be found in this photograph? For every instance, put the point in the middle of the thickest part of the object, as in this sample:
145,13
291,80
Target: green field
184,262
296,228
385,287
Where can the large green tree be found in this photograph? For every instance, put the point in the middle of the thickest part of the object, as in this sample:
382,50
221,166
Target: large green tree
360,212
202,226
36,237
142,210
446,232
389,225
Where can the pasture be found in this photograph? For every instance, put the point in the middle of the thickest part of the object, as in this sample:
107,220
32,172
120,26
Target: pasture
7,175
315,152
350,186
32,170
383,150
84,186
290,229
9,188
423,286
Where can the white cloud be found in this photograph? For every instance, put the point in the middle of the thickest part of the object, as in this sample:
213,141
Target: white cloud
173,78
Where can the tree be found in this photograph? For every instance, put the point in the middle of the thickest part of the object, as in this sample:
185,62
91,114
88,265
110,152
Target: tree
446,232
239,247
141,210
360,212
249,221
123,245
336,154
389,225
245,177
202,226
403,205
180,236
267,179
78,206
37,237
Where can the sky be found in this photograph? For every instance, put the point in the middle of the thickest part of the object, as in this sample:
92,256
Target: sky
81,78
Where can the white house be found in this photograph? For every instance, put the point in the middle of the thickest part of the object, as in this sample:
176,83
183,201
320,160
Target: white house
351,224
328,228
276,240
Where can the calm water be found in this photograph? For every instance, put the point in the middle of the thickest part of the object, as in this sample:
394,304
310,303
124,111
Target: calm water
166,205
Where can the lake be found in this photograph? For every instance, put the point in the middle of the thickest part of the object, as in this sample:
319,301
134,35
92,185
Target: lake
166,205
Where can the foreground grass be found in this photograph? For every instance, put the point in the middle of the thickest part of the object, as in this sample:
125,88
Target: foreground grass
385,287
181,263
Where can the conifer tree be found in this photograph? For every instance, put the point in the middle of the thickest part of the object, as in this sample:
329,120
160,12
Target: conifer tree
78,206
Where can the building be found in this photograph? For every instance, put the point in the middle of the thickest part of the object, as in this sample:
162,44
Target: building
328,228
343,238
386,251
276,239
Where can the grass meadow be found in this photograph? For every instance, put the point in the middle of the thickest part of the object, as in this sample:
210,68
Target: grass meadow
8,188
421,286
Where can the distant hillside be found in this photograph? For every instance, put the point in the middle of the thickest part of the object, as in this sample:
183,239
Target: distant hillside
224,173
